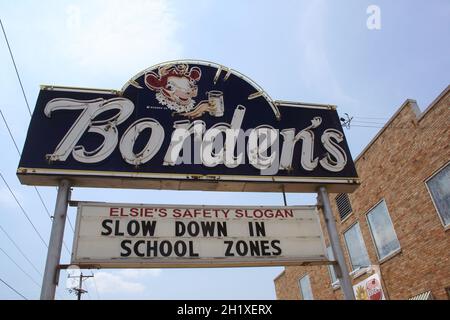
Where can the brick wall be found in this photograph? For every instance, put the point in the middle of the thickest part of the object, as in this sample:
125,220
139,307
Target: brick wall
394,167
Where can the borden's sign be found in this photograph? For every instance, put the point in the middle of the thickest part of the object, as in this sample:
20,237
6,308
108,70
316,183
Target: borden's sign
185,125
131,235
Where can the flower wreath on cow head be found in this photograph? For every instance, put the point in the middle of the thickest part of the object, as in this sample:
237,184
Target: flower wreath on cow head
175,86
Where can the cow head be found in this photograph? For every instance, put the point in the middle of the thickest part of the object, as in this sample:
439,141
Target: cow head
175,86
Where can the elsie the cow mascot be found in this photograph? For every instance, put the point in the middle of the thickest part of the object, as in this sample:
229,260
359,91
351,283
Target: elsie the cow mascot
175,87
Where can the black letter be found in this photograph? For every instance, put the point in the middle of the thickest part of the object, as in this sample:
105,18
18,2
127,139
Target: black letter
136,248
191,250
275,244
124,247
260,229
265,247
244,248
106,227
148,227
180,228
228,250
165,253
179,247
222,229
193,232
151,248
116,228
207,228
254,248
130,228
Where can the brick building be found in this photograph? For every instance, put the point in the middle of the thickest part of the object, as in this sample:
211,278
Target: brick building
395,226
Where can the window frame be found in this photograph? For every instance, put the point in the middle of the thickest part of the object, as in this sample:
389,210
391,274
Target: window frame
310,287
331,271
446,226
392,253
348,251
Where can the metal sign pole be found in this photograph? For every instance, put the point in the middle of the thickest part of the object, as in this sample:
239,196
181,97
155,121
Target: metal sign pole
340,269
51,273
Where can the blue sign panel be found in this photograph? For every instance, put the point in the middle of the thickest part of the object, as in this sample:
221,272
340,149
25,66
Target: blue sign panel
185,125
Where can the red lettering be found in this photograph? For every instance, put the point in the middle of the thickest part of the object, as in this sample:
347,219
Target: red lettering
134,212
162,212
113,211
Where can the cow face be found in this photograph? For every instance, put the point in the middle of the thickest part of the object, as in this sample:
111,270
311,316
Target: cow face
175,86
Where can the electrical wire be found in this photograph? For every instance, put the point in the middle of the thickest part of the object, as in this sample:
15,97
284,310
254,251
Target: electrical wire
6,284
396,128
15,67
16,146
371,118
20,250
370,122
20,268
284,196
35,188
23,211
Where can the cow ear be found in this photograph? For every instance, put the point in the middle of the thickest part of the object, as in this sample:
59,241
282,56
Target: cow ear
195,73
152,81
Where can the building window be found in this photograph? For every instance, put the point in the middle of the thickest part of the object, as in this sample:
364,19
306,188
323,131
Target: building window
305,288
439,187
356,247
343,205
382,230
330,267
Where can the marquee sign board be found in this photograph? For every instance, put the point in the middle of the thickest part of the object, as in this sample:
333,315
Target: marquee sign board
187,125
153,236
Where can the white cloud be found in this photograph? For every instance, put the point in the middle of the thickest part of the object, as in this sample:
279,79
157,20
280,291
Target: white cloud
124,281
113,283
119,35
137,274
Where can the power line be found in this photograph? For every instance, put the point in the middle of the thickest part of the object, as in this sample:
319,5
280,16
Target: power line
23,211
20,154
29,111
20,268
15,144
370,122
70,224
13,289
394,127
20,250
15,67
35,188
10,133
371,118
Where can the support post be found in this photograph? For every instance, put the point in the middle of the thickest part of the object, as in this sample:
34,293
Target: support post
340,269
51,273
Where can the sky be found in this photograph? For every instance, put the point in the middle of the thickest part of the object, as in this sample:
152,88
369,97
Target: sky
314,51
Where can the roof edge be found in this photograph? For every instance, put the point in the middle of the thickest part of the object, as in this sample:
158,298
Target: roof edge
416,111
280,275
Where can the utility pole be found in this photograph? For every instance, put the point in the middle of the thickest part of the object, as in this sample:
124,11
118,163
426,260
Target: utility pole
51,273
79,290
